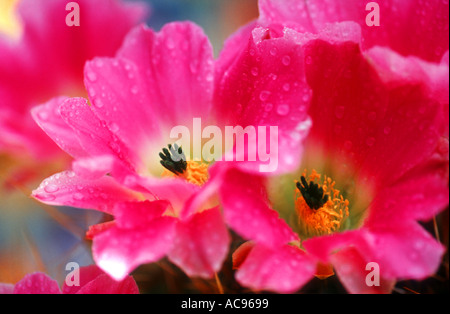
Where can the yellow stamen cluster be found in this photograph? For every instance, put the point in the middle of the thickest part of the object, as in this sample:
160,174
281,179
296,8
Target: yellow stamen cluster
195,173
326,219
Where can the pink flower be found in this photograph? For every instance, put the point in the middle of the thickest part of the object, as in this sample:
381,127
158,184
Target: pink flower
409,27
92,281
371,169
156,82
45,59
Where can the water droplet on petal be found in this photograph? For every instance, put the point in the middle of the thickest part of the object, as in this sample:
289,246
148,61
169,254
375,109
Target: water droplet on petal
387,130
91,76
273,51
283,109
114,127
99,63
51,188
286,60
308,60
268,107
98,103
134,90
170,44
286,87
78,197
264,95
209,77
255,71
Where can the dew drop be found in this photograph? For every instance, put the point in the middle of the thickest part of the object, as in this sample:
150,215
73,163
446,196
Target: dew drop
51,188
264,95
91,76
99,63
209,77
273,51
78,196
114,127
286,60
306,97
283,109
134,90
255,71
268,107
286,87
98,103
170,44
387,130
308,60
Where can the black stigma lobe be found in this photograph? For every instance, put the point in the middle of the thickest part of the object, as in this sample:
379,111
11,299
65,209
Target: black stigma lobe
312,193
173,159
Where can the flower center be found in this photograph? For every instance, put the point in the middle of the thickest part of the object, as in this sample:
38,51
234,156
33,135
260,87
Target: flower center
320,207
174,162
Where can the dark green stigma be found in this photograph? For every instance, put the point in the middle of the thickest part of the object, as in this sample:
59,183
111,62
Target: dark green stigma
312,193
173,159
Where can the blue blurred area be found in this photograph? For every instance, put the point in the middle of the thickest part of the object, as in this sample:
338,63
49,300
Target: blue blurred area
218,18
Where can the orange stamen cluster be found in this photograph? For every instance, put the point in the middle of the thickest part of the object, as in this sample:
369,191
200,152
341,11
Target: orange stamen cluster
326,219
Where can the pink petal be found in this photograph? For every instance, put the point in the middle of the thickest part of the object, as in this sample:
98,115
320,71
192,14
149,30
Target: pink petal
118,251
66,188
247,212
104,284
124,109
47,116
158,81
406,251
201,244
265,86
94,281
131,215
324,246
37,283
282,269
407,200
402,251
93,134
241,253
350,267
233,47
178,94
178,191
393,68
395,31
373,124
